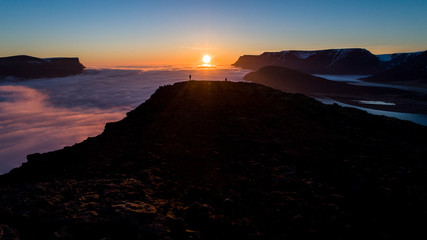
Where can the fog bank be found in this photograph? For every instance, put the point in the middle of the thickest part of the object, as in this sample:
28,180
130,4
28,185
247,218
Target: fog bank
41,115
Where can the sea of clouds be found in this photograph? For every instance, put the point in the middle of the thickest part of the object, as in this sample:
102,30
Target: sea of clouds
46,114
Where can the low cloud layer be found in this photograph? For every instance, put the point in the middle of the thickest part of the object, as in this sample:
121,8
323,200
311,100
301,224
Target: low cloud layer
42,115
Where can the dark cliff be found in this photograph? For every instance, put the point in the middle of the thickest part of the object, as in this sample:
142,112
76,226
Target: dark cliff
394,59
31,67
332,61
413,69
223,160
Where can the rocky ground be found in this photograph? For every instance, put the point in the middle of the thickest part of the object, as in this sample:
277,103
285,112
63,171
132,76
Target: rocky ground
223,160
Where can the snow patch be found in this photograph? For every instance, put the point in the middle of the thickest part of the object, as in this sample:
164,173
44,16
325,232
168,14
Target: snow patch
50,59
376,103
339,54
390,57
304,55
384,57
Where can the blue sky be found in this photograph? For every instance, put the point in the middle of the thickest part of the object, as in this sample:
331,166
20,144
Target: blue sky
172,32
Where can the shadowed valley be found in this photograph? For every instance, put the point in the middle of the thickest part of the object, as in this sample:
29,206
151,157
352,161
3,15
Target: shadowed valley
297,82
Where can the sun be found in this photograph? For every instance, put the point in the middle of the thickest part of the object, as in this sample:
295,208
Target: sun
206,59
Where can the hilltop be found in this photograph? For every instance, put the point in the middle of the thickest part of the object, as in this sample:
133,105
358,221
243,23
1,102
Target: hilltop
224,160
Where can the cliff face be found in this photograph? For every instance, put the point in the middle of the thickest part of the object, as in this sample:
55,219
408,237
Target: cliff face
224,160
395,59
412,69
32,67
332,61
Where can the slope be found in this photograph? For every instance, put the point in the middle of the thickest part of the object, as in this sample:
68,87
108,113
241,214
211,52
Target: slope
223,160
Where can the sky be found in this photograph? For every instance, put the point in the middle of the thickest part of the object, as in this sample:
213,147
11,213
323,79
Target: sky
131,32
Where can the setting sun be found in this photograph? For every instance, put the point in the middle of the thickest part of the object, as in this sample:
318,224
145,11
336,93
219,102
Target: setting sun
206,59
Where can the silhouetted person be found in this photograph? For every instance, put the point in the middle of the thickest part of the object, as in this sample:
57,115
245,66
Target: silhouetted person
226,79
190,77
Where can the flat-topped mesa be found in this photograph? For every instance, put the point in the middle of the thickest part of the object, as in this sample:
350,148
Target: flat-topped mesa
23,66
352,61
331,61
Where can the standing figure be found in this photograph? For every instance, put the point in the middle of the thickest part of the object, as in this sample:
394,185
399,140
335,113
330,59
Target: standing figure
226,79
190,77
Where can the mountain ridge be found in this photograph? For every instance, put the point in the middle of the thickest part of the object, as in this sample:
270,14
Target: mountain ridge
350,61
412,69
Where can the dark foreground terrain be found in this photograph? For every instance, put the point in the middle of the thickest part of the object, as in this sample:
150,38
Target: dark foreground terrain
223,160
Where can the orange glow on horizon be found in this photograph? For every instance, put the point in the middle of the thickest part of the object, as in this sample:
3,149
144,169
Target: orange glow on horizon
153,59
220,55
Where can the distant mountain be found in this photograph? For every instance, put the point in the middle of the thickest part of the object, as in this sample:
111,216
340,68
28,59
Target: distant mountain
394,59
23,66
332,61
412,69
225,160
